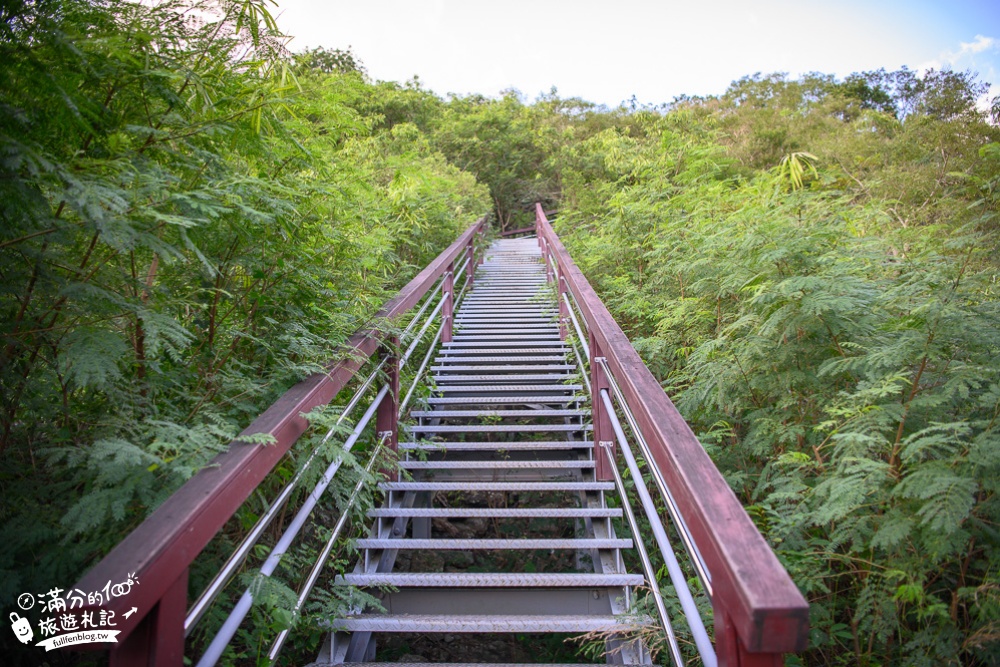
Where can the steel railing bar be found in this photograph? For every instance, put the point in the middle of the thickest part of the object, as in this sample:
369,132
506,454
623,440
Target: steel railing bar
696,558
461,270
423,330
573,296
583,369
576,326
420,371
461,292
428,301
310,581
647,565
695,622
220,580
242,608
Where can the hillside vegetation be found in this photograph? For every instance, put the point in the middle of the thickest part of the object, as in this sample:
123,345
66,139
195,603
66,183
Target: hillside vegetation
192,218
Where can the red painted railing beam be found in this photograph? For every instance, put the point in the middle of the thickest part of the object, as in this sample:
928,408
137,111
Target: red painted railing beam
760,602
387,413
448,310
603,431
514,232
159,551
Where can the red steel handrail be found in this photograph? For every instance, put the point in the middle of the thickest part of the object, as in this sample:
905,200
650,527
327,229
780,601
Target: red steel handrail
160,550
759,612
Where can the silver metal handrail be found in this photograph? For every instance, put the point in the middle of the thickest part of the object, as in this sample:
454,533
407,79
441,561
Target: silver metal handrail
647,565
461,269
420,371
218,583
576,326
695,622
423,330
242,608
427,301
317,568
682,529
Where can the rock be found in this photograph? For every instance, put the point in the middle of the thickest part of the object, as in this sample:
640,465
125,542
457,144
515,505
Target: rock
427,561
459,560
444,528
412,657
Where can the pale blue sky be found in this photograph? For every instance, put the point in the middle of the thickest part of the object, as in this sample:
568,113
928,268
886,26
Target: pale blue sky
606,51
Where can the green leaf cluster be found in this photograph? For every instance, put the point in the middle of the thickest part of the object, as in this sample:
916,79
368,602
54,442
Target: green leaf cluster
191,220
813,278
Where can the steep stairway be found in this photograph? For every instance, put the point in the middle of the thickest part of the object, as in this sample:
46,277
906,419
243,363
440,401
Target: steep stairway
502,527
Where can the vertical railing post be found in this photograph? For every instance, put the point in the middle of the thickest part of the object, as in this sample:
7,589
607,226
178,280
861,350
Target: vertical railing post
729,650
159,637
387,413
548,261
470,266
448,311
603,431
482,255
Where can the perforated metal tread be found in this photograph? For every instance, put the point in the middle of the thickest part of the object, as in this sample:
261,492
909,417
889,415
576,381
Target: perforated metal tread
496,465
553,378
498,512
502,428
499,400
497,359
523,544
484,623
512,368
505,344
508,387
496,486
525,446
462,353
498,413
471,664
489,580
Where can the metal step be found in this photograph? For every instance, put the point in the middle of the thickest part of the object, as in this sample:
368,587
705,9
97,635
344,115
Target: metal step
498,321
502,428
507,344
463,352
496,486
439,623
556,379
520,544
498,512
520,446
472,310
504,414
507,387
470,664
500,326
489,580
502,400
495,465
526,340
496,360
526,309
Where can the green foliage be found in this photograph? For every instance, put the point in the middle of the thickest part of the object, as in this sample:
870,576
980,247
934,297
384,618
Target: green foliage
192,221
833,344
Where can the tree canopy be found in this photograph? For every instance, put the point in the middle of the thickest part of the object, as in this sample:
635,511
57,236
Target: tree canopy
192,219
